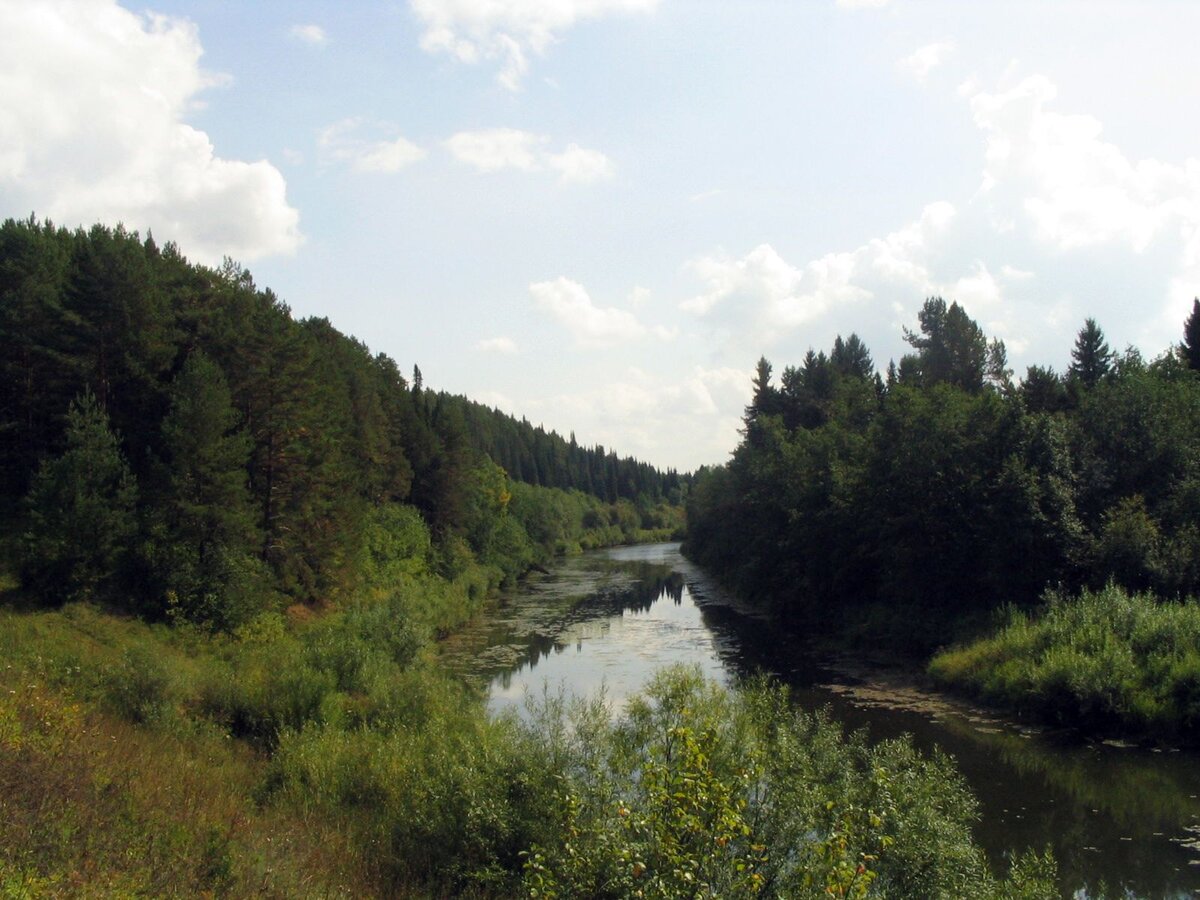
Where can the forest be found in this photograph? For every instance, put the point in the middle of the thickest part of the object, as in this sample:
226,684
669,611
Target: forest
172,440
949,499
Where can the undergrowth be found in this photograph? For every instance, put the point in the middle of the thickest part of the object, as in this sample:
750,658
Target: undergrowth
1108,662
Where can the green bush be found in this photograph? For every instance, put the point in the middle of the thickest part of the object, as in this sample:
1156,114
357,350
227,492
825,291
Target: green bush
696,791
1108,662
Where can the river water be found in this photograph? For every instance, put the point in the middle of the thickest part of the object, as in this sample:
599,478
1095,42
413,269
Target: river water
1122,817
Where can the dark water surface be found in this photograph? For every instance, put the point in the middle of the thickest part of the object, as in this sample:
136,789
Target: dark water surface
1125,817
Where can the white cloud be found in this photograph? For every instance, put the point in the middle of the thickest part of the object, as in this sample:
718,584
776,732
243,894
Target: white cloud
508,31
978,292
701,412
639,296
764,296
503,345
581,165
926,59
862,4
495,399
1077,191
494,149
1012,273
568,303
313,35
92,106
343,141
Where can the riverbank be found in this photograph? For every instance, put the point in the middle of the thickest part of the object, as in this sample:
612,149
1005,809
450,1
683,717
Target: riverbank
330,756
1109,663
1115,815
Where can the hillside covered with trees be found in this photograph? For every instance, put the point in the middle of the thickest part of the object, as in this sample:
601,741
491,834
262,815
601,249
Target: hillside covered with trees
910,510
948,489
174,441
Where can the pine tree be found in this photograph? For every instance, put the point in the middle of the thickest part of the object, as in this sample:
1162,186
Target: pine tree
1092,359
851,357
81,512
950,347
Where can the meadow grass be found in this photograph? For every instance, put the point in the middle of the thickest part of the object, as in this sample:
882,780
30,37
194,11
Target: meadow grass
1108,662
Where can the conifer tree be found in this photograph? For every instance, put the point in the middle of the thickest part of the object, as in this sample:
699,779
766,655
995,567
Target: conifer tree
207,558
851,357
951,348
1191,337
81,511
1092,359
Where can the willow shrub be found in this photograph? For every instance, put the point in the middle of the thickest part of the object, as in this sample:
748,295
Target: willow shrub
1107,661
702,792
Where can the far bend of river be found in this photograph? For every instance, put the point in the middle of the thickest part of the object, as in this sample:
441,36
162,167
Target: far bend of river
1125,817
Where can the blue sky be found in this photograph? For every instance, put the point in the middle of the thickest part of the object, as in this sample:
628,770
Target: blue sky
598,214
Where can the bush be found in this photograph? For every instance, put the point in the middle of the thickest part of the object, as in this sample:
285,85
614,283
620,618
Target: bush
696,791
1108,662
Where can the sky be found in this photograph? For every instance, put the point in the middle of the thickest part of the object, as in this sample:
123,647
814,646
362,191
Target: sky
599,214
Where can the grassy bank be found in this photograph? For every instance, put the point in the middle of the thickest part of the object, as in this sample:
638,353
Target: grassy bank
329,756
1108,662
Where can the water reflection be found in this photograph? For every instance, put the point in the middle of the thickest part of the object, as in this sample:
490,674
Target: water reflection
1127,818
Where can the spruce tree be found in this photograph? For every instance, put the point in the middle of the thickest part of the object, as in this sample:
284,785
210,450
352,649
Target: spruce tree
81,512
207,560
1092,359
1191,337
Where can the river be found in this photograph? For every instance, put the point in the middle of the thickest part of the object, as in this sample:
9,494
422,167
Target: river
1124,817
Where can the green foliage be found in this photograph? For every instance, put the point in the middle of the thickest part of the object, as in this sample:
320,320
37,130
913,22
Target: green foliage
138,686
912,509
202,556
952,349
1091,358
262,447
698,792
377,771
1107,661
81,512
1191,337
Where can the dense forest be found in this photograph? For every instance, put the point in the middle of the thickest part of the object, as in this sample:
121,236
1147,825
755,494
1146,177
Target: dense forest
948,501
173,439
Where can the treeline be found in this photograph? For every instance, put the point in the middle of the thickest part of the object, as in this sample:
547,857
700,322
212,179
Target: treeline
531,454
947,489
170,433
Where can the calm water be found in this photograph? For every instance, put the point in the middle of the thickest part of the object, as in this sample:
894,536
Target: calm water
1124,817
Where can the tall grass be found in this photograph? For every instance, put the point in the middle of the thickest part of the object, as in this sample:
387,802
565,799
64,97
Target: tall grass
1108,662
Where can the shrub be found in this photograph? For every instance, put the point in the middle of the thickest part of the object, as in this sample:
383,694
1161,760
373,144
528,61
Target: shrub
1107,661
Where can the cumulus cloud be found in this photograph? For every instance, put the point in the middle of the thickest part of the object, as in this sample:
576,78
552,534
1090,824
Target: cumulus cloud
494,149
508,31
313,35
504,345
926,59
579,164
699,414
1076,188
1054,173
92,106
345,141
763,294
1055,197
568,303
